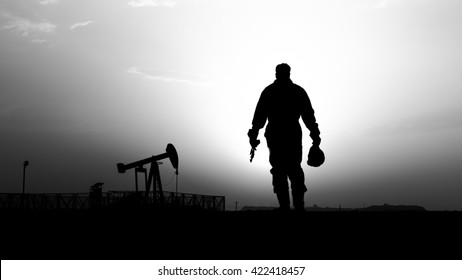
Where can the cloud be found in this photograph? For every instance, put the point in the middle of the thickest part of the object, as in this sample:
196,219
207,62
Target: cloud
31,29
151,3
38,41
48,2
27,28
80,24
165,76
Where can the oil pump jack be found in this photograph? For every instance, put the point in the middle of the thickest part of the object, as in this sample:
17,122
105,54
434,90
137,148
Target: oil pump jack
154,175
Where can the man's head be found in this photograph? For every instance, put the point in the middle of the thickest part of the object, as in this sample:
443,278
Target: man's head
283,71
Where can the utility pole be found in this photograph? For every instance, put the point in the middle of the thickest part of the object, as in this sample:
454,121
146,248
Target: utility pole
236,205
26,163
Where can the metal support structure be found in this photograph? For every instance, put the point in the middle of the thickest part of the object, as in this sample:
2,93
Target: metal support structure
83,201
140,169
154,174
154,179
136,181
176,185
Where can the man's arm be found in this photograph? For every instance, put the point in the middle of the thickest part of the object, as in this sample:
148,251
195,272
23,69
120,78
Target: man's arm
261,112
258,122
309,119
259,118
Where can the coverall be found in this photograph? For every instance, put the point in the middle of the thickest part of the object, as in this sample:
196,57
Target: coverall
282,103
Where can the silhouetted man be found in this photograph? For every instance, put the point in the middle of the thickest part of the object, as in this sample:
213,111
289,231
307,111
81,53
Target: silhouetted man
283,103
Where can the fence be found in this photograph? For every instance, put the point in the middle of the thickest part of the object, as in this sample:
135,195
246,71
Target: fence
81,201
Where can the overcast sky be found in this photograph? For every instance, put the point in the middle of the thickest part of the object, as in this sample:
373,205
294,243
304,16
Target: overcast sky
87,84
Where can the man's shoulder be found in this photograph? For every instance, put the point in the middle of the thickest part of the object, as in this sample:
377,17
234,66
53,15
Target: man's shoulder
297,87
275,87
269,88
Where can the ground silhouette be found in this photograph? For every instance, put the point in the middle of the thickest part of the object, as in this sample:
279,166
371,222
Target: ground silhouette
164,234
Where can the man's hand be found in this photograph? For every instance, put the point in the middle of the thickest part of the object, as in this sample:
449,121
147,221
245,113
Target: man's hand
254,142
253,134
316,141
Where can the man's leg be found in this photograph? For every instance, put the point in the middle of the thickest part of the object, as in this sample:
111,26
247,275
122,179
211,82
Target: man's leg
296,175
281,188
278,170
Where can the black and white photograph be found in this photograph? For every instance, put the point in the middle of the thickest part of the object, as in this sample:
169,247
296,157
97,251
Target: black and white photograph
231,129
